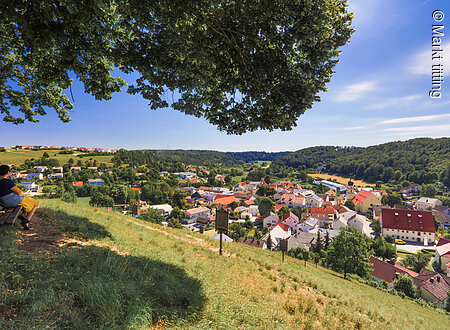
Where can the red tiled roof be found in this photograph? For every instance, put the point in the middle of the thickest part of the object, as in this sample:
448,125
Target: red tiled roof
281,225
406,270
137,189
226,200
361,196
384,271
327,210
407,220
437,286
442,241
196,210
77,184
279,206
290,215
220,196
249,202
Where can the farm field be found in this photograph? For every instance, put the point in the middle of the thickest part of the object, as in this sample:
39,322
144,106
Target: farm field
17,157
340,179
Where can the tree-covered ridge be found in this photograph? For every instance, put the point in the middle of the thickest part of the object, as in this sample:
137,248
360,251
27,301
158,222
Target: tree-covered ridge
251,156
421,160
194,157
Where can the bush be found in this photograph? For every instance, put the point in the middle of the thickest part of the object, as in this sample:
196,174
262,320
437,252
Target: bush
69,197
152,216
405,284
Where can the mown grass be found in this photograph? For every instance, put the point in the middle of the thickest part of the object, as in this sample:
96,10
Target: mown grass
17,157
120,274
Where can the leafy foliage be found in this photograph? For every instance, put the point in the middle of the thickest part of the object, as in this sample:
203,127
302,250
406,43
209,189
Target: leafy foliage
349,252
404,283
416,261
242,65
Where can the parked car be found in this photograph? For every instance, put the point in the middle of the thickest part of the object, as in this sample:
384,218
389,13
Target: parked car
399,241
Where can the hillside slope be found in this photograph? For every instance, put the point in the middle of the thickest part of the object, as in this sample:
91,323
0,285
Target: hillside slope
90,268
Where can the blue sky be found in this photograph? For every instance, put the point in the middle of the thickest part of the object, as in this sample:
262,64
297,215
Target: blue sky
379,93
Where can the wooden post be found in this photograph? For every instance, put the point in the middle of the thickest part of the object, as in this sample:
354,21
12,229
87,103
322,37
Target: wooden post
220,249
283,256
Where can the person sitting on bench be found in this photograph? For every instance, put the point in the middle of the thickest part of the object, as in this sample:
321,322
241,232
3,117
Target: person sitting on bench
11,196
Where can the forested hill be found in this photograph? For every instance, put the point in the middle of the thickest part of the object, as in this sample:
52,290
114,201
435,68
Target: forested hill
421,160
211,157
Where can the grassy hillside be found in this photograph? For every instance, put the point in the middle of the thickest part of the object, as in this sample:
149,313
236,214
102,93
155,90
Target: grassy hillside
18,156
88,268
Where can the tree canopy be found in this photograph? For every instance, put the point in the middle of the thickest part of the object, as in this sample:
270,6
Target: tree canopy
242,65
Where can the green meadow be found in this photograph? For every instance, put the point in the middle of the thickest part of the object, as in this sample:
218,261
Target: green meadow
83,268
18,156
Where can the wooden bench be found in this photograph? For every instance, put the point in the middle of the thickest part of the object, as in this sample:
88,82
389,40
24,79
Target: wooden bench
8,215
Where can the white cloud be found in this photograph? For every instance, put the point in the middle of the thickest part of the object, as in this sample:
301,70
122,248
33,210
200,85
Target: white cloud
396,102
356,91
421,62
351,128
419,129
413,119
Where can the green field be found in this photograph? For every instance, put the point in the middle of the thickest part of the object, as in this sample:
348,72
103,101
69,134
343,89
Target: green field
17,157
88,268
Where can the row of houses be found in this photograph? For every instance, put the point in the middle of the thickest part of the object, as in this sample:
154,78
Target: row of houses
431,286
28,147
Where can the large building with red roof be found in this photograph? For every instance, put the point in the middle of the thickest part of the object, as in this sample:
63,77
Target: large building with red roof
365,200
409,225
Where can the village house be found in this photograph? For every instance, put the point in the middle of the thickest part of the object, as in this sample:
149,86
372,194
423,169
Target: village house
75,168
40,168
254,210
30,186
309,224
224,202
291,200
96,182
54,176
258,243
192,214
365,200
442,217
291,220
277,232
34,176
443,255
349,219
302,240
412,189
270,219
164,209
57,169
384,271
409,225
425,202
314,201
433,286
243,195
324,220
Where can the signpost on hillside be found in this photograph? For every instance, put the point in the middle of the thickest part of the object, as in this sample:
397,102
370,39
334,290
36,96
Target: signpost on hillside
305,256
221,224
283,247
